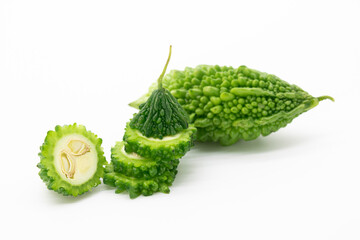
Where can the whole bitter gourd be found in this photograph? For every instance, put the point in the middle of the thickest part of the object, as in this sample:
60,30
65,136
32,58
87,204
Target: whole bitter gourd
154,141
227,104
71,160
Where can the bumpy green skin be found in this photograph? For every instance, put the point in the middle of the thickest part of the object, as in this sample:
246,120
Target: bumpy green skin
159,150
48,172
139,168
138,186
228,104
161,115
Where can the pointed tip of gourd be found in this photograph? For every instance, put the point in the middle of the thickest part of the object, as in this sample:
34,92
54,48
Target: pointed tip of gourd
134,105
325,97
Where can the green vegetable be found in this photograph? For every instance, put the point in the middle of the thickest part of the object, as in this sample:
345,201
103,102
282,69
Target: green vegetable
71,160
161,115
169,147
133,165
138,186
227,104
154,141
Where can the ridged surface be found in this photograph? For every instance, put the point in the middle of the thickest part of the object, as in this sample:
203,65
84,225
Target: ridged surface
227,104
137,167
158,150
161,115
139,186
147,165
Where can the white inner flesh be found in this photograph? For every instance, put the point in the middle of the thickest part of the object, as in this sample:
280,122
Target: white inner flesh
167,138
85,165
131,155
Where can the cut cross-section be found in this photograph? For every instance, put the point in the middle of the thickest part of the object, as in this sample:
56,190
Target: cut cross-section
72,160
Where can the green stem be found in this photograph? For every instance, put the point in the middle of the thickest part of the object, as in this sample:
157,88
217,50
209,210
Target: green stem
164,70
325,97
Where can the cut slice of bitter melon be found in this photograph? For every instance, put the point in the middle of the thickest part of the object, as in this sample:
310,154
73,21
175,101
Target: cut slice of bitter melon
167,148
133,165
71,160
138,186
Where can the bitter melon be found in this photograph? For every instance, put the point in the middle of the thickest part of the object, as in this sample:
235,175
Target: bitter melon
154,140
227,104
169,147
138,186
133,165
71,160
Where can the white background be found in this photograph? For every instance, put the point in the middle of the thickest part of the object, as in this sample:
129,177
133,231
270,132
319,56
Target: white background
84,61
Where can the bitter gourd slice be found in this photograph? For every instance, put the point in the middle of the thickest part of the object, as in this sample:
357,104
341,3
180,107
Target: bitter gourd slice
71,160
133,165
167,148
228,104
138,186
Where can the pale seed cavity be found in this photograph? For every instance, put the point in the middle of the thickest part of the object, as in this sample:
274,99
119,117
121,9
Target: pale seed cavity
67,165
68,158
78,147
